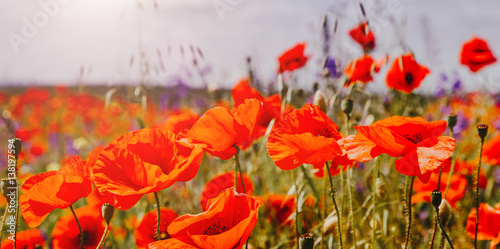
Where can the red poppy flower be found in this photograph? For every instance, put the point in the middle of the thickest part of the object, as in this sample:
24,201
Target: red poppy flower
146,231
38,149
360,70
220,130
67,235
280,208
491,150
226,224
489,227
43,193
180,120
455,192
29,239
292,59
418,143
476,54
305,135
405,74
364,36
338,163
141,162
221,182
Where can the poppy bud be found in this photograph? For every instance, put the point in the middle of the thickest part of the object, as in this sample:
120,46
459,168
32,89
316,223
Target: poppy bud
18,146
436,198
482,130
444,212
306,241
6,186
107,212
380,189
330,224
320,101
452,121
346,105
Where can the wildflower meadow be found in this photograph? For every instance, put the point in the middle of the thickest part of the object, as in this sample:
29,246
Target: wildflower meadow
260,165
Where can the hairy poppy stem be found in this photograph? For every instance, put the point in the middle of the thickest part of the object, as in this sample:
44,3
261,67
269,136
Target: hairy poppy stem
452,169
238,168
408,228
296,209
158,237
374,196
79,227
434,231
332,195
438,220
351,209
476,200
104,235
3,222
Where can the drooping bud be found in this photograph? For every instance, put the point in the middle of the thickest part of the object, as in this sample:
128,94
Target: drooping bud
306,241
436,198
452,121
444,212
107,212
8,185
482,130
380,189
330,224
320,101
346,105
18,146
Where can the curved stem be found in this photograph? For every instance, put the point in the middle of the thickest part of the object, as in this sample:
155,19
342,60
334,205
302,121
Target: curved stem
332,195
434,231
408,228
442,229
79,227
476,201
104,235
158,237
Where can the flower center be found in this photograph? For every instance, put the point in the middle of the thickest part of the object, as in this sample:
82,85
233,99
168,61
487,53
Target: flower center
325,132
215,228
408,78
415,138
164,235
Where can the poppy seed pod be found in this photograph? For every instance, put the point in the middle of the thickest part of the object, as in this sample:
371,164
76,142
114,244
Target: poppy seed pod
346,105
107,212
320,101
482,130
18,146
380,189
306,241
436,198
6,186
452,121
444,212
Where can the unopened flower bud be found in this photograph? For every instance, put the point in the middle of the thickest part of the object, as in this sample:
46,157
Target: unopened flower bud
306,241
346,105
436,198
482,130
380,189
18,146
7,186
107,212
452,121
444,212
330,224
320,101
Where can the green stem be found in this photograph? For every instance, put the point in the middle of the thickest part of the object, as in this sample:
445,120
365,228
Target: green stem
238,168
452,168
158,237
79,227
104,235
332,195
435,230
351,209
408,228
3,221
311,184
296,209
476,201
374,196
442,229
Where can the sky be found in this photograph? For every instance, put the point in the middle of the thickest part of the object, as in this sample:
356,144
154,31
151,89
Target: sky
105,42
